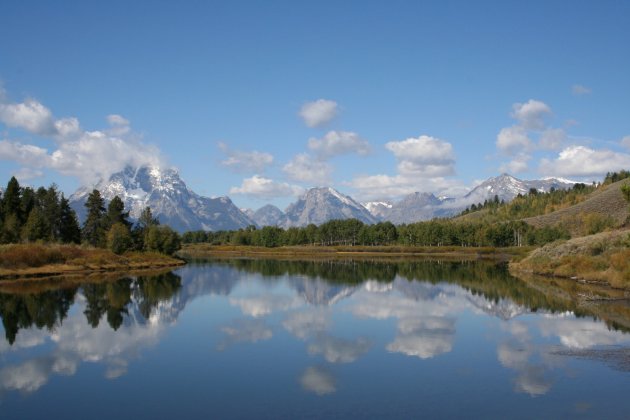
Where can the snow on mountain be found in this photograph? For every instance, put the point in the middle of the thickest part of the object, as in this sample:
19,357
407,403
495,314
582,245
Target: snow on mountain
269,215
378,209
169,198
507,187
322,204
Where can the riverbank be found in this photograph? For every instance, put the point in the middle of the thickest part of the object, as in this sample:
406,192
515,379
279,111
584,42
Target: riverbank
28,261
199,251
601,258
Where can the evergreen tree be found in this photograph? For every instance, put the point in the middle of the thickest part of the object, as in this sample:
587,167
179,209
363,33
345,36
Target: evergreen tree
139,232
94,227
119,238
36,227
116,213
69,231
11,201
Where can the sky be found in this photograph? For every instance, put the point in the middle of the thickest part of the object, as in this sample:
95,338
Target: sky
261,100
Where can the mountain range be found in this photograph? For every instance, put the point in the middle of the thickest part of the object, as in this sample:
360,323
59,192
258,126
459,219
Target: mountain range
174,204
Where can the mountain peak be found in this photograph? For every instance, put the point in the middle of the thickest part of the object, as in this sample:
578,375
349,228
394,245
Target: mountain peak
170,200
321,204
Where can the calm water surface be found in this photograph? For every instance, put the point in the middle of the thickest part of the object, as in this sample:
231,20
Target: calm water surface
273,339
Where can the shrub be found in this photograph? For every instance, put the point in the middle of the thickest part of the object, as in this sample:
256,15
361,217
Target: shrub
119,238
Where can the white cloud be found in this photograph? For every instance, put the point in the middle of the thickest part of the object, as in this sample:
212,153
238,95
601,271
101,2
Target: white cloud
304,168
119,125
512,140
584,161
319,112
29,115
260,187
336,143
244,331
257,306
87,155
339,350
423,156
318,380
552,139
580,90
531,114
378,186
241,161
516,165
304,324
25,174
625,142
24,154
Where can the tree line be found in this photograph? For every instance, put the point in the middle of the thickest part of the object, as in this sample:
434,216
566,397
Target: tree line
44,215
437,232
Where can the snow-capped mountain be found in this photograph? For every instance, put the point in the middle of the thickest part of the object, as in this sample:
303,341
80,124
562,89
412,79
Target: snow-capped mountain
171,201
425,206
416,207
507,187
378,209
269,215
322,204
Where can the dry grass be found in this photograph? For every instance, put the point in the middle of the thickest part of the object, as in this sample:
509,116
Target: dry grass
604,208
36,260
307,251
603,257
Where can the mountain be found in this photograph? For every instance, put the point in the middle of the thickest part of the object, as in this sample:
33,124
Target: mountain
378,209
507,187
425,206
171,201
269,215
322,204
416,207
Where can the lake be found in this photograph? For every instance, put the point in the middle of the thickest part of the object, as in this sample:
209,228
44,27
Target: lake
314,339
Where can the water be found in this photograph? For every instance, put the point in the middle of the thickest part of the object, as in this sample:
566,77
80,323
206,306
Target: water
345,339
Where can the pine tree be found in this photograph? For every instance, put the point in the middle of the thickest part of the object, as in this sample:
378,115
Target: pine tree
116,213
68,226
36,227
11,201
94,227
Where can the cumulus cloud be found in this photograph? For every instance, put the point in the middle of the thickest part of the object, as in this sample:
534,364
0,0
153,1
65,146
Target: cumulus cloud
319,112
336,143
318,380
513,139
370,187
423,156
531,114
423,164
552,139
584,161
339,350
303,324
87,155
303,168
424,337
580,90
516,165
261,305
29,115
265,188
244,331
25,174
241,161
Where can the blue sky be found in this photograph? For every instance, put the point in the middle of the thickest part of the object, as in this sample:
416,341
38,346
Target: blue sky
395,96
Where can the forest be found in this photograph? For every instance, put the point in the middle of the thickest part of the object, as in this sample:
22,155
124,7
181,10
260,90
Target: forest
44,215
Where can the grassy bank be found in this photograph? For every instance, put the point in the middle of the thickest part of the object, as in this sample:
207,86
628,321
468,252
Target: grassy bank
34,260
603,257
305,251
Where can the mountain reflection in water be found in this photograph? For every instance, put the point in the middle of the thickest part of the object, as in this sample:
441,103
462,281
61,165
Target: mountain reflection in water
314,319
